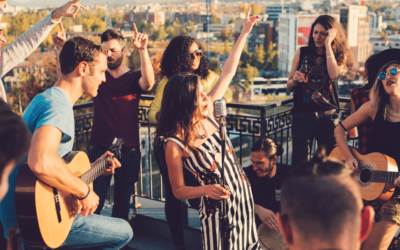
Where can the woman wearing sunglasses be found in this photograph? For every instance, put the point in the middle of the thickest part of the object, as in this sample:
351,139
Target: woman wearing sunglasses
314,80
183,54
384,111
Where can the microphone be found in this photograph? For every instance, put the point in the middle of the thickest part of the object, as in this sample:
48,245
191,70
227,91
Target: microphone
220,108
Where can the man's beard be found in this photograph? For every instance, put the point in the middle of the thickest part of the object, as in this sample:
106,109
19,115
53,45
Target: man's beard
115,64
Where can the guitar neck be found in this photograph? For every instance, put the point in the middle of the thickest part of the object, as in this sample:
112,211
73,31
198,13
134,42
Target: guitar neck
384,176
96,171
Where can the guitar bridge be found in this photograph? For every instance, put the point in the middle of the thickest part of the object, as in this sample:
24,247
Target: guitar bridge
58,204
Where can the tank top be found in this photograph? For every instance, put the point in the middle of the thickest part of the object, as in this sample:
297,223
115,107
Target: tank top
320,93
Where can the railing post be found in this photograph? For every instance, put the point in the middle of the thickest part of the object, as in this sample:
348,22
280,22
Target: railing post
135,204
263,129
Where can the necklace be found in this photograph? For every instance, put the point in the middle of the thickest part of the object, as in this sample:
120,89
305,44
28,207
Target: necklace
392,112
205,135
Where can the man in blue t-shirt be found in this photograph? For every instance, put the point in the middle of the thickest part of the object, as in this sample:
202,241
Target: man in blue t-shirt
50,118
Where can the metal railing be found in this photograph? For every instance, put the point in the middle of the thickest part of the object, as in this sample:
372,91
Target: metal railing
246,123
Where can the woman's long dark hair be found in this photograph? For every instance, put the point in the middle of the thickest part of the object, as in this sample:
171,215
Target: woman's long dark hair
177,58
178,107
339,44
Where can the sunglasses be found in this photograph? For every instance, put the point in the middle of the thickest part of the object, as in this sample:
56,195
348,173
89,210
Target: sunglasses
382,75
197,53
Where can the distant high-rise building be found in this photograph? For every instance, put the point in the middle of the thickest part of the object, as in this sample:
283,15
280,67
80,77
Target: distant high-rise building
375,22
355,21
107,19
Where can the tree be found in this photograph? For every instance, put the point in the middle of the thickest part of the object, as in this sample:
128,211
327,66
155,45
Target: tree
271,59
215,65
191,27
160,34
227,48
224,35
232,20
249,72
139,24
215,19
257,58
255,10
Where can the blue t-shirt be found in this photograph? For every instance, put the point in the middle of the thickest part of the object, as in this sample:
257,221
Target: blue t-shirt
50,108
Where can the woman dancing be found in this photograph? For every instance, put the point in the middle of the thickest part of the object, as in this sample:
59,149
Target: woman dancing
193,142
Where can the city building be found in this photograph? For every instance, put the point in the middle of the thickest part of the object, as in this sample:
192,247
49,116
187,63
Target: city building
192,17
263,34
355,21
170,16
376,22
226,18
216,28
274,10
156,17
293,32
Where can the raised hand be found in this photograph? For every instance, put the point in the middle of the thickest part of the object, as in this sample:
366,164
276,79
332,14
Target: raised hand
331,36
249,21
59,38
140,40
70,9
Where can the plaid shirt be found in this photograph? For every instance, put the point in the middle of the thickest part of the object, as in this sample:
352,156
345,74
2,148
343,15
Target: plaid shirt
360,96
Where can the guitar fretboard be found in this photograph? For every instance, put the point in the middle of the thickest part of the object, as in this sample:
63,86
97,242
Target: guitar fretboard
383,176
96,171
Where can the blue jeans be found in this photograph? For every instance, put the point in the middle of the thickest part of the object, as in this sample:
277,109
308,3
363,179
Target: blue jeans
125,178
96,232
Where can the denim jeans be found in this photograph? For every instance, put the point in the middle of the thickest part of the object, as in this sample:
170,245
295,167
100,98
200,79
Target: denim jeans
125,178
96,232
307,126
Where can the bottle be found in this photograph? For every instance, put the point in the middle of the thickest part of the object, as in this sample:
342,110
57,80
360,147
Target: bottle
304,70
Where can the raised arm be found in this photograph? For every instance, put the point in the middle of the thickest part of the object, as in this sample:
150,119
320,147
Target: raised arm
31,39
334,70
140,41
229,69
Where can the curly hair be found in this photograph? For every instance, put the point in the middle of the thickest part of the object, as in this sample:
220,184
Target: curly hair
177,58
339,44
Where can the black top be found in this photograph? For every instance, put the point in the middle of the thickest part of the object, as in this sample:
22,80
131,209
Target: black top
320,93
385,137
267,191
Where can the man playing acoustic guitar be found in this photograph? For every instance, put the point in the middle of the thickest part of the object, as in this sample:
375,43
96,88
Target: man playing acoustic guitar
50,118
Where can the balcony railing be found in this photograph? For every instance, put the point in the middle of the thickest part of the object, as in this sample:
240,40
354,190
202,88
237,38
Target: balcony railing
246,123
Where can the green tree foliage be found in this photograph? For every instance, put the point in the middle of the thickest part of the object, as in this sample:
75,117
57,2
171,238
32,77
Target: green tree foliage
249,72
160,34
140,24
257,58
215,65
271,59
224,35
227,47
232,20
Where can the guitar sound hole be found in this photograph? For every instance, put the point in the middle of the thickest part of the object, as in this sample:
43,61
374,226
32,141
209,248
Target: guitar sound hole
365,175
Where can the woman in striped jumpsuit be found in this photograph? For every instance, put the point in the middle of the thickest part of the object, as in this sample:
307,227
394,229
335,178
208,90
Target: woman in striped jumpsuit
193,141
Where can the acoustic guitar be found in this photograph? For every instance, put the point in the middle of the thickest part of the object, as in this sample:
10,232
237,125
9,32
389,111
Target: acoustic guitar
376,174
45,214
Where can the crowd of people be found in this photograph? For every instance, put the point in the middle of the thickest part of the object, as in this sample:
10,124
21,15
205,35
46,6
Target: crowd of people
312,204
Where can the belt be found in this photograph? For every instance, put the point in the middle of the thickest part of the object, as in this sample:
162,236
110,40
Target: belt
99,147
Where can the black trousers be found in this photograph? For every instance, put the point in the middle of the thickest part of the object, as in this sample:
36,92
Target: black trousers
173,210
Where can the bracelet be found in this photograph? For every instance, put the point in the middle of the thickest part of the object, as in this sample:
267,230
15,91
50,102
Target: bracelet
328,57
340,123
85,195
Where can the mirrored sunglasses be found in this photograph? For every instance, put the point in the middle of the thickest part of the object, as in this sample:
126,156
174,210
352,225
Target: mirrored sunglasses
382,75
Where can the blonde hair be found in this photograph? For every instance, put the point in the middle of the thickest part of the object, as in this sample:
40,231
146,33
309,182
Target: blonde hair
377,92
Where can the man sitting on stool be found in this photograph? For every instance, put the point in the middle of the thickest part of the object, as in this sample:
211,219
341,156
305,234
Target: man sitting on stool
266,177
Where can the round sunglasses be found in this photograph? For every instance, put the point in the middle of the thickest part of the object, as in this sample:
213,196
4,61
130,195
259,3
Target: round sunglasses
393,72
198,53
